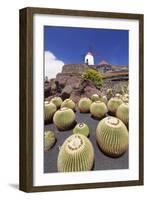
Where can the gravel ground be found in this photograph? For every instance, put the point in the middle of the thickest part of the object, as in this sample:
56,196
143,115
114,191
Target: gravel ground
102,162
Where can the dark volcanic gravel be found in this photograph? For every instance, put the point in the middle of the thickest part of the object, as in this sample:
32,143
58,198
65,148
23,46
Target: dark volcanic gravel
102,162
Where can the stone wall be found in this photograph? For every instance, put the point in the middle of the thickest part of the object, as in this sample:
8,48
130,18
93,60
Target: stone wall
74,68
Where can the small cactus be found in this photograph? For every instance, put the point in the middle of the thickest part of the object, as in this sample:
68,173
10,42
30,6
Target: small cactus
49,140
109,93
123,113
84,105
49,110
112,136
76,154
98,109
64,118
95,97
57,101
81,128
104,99
68,103
113,104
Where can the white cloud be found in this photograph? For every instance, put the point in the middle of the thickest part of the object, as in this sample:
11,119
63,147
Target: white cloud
52,65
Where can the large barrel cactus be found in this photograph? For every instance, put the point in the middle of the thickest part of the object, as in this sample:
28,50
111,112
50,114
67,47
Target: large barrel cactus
98,109
68,103
76,154
81,128
49,140
57,101
113,104
64,118
123,113
49,110
84,105
112,136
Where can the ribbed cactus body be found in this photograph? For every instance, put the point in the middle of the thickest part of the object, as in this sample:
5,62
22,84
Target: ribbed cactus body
84,105
109,93
49,140
112,136
76,154
57,101
95,97
68,103
104,99
113,104
123,113
81,128
49,110
64,118
98,109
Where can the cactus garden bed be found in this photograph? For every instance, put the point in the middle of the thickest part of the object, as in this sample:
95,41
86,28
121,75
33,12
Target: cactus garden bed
101,161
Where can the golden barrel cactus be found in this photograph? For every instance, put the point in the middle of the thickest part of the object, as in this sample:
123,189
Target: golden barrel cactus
49,110
123,112
49,140
113,104
76,154
68,103
64,118
112,136
57,101
84,105
98,109
81,128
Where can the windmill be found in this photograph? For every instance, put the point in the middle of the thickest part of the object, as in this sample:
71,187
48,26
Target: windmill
89,55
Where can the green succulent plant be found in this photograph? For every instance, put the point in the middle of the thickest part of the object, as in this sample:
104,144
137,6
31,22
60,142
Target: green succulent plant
64,118
84,105
57,101
98,109
76,154
104,99
49,140
81,128
112,136
69,104
123,112
95,97
109,93
113,104
49,110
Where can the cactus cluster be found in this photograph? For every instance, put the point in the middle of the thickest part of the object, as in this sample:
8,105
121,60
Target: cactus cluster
112,136
68,103
49,110
84,105
98,109
64,118
76,154
81,128
57,101
49,140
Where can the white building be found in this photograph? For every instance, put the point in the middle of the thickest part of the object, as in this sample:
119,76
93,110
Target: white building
89,59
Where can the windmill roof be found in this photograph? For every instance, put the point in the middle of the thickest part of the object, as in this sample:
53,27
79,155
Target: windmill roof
89,53
103,62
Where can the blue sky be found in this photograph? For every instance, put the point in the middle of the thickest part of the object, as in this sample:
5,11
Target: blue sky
70,44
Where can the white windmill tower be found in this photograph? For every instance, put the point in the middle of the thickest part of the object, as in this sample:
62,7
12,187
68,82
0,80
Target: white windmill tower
89,59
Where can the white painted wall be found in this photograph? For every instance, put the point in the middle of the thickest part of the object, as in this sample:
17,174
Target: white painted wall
9,85
89,59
